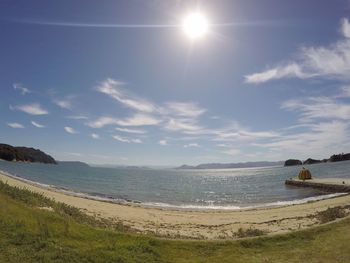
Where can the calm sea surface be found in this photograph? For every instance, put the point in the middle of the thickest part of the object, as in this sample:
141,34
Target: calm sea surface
225,189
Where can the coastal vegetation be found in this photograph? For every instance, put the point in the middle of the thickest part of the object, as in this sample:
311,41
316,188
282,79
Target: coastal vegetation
34,228
334,158
24,154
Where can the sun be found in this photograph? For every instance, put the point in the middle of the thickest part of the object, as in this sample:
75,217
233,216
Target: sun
195,25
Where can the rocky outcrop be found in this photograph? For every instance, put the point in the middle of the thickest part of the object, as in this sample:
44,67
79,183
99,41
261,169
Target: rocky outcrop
312,161
24,154
291,162
333,158
340,157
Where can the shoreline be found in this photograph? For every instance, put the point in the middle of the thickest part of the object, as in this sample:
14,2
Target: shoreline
167,206
193,223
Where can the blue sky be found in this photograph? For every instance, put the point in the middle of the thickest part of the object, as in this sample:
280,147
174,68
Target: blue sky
118,82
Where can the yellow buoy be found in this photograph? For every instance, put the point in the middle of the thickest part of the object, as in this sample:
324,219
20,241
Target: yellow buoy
304,174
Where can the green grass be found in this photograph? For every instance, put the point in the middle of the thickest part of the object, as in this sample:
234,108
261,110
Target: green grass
30,234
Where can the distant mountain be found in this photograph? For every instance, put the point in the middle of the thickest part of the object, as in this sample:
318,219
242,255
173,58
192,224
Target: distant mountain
230,165
24,154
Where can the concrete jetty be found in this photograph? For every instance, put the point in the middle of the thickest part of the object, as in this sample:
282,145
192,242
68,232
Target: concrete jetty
339,185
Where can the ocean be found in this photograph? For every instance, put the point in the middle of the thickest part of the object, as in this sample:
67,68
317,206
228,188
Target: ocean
181,189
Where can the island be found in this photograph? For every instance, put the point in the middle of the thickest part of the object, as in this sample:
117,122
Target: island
24,154
291,162
334,158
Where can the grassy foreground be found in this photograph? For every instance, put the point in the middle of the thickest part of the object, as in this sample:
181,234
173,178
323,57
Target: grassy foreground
60,233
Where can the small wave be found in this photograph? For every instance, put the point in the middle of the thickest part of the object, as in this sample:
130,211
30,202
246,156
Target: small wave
232,207
210,204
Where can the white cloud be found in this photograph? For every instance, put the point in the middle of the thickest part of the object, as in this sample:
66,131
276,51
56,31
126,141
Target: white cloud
121,139
77,117
192,145
290,70
114,89
232,152
15,125
321,139
70,130
131,130
103,121
345,27
139,120
318,108
136,141
19,87
135,120
181,125
184,109
95,136
345,92
328,62
223,145
126,140
241,134
32,109
64,104
38,125
163,142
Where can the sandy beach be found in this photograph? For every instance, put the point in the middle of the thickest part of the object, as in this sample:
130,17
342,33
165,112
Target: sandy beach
193,224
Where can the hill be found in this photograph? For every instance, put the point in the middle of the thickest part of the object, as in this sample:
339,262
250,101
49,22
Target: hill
24,154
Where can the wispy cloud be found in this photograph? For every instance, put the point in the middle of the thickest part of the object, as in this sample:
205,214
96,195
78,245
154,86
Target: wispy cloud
94,136
15,125
345,27
182,125
38,125
139,120
345,92
77,117
184,109
289,70
135,120
64,104
232,152
20,88
32,109
318,108
321,139
327,62
114,89
163,142
136,131
242,134
192,145
126,140
70,130
102,122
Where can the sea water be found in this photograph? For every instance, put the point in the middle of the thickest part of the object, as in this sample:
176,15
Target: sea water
175,188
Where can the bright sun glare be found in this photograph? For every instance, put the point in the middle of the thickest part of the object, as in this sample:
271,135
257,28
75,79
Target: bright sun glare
195,25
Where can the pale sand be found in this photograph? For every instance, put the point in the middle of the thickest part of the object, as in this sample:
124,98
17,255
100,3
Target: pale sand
194,224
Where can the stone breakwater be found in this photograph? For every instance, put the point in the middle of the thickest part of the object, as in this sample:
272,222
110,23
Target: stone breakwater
329,185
